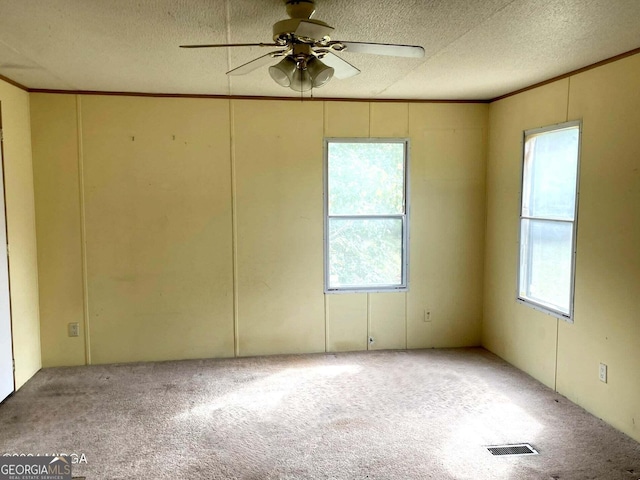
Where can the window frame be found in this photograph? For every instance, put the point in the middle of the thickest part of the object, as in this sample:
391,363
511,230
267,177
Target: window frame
404,286
569,317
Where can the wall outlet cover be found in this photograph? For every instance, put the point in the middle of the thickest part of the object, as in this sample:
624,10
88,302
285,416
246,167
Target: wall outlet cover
74,329
603,373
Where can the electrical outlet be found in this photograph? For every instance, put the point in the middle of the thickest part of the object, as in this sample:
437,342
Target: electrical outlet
427,315
74,329
603,373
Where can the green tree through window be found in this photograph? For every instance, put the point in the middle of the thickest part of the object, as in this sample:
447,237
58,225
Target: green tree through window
366,222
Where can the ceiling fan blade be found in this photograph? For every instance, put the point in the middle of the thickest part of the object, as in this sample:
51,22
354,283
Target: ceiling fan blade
393,50
313,29
232,45
342,68
255,63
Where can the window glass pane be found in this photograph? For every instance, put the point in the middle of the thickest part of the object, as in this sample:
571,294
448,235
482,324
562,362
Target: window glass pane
551,161
545,263
366,178
365,252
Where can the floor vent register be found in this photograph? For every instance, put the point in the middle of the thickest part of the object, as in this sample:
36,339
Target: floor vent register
513,449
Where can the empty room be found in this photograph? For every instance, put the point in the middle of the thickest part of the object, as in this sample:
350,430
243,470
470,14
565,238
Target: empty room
287,239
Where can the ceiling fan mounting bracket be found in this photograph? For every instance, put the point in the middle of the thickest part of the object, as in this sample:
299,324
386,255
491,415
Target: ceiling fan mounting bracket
291,29
337,46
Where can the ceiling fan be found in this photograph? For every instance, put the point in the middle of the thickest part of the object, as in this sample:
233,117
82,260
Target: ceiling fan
307,52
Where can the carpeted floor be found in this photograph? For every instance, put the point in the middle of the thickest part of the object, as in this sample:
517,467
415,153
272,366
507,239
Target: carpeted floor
425,414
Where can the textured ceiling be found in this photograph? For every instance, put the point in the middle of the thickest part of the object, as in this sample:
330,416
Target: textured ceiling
475,49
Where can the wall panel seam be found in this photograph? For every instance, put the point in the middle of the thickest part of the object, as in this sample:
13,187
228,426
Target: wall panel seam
326,310
568,98
83,233
326,326
234,231
406,321
35,230
555,374
368,320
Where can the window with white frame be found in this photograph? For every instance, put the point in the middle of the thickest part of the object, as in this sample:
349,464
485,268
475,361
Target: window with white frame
548,218
366,222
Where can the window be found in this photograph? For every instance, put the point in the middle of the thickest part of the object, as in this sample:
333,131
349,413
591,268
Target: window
366,225
548,218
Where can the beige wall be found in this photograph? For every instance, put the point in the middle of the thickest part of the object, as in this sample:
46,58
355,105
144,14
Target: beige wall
181,228
607,298
21,226
55,167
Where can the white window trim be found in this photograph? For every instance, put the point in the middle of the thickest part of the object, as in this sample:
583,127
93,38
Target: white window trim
404,287
525,301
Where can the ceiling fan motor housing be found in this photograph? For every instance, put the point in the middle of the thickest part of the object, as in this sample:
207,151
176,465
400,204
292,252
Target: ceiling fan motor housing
300,8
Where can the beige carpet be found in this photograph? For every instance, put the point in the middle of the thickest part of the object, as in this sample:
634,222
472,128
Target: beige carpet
425,414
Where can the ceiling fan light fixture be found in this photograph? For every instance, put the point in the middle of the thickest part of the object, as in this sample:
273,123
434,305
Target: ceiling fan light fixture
309,59
301,81
283,71
319,72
